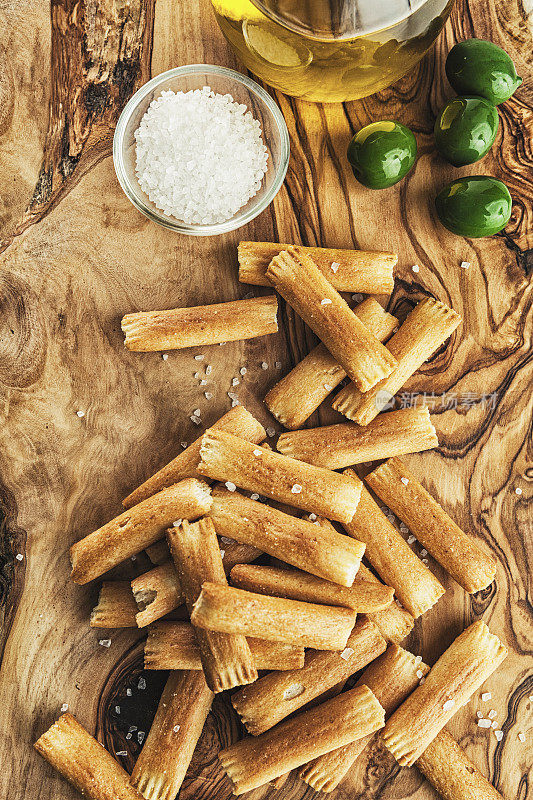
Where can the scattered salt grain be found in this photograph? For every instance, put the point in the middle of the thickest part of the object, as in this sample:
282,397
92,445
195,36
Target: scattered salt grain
80,414
498,735
335,266
235,403
141,684
235,382
199,358
222,553
194,418
278,364
312,516
104,642
258,452
483,723
421,681
176,728
271,432
347,653
165,356
208,369
294,690
419,673
518,490
403,527
325,301
122,753
200,156
64,707
411,539
208,395
405,481
357,298
117,709
492,714
415,268
423,552
232,396
494,724
230,486
521,737
296,489
197,412
448,705
19,557
486,696
177,523
425,561
328,388
221,344
465,264
264,365
196,375
479,714
254,496
203,382
129,693
243,370
418,659
140,736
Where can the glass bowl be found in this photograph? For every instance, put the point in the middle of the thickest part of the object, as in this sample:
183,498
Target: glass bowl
222,81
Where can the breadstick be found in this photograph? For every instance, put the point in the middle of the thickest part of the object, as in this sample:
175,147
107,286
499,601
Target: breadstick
394,623
169,746
326,554
158,553
137,528
229,610
425,329
116,607
459,672
273,697
146,331
83,762
228,458
173,645
298,279
392,678
414,584
346,270
226,659
237,420
305,387
450,771
337,446
361,597
466,562
256,760
158,591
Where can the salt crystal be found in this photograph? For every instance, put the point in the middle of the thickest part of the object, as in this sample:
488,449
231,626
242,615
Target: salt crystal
357,297
419,673
104,642
312,516
254,496
196,375
479,714
177,523
425,561
19,557
203,382
518,490
258,452
347,653
133,558
423,552
335,266
64,707
208,369
176,728
165,356
117,709
122,753
271,432
141,684
264,365
194,418
325,301
492,714
522,737
140,736
328,388
486,696
199,358
483,723
222,553
494,724
296,489
129,692
243,370
196,412
405,481
278,364
498,735
235,382
230,486
418,659
235,403
411,539
448,705
294,690
221,344
208,395
80,414
465,264
415,268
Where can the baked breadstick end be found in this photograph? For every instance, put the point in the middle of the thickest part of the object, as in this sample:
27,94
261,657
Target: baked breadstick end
116,606
177,328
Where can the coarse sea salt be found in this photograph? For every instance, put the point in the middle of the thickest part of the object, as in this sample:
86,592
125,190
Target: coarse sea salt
200,156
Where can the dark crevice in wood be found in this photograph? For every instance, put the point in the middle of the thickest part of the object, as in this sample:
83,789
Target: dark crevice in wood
12,542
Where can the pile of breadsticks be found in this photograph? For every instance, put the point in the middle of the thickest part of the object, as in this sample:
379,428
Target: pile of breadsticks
312,615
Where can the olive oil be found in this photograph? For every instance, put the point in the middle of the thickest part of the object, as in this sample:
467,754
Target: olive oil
333,69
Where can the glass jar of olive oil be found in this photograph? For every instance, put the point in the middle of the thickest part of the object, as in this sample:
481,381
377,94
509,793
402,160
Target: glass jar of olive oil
330,50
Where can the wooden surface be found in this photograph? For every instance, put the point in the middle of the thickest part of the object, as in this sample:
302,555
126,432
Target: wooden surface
77,256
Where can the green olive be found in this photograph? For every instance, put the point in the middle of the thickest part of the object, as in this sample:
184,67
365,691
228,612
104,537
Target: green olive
474,206
482,68
382,153
465,129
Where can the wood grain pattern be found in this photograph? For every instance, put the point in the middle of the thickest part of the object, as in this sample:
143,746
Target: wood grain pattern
76,257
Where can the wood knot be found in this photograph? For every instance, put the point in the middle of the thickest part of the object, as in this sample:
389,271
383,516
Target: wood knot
22,335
